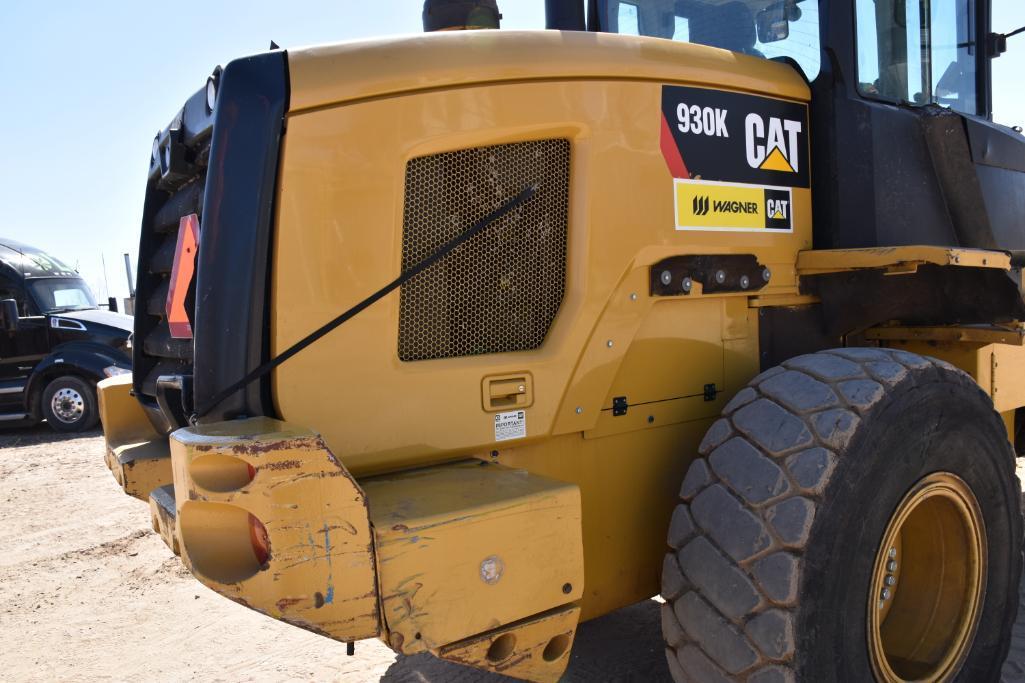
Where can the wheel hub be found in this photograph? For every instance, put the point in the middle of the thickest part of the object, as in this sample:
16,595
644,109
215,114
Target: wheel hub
67,405
927,583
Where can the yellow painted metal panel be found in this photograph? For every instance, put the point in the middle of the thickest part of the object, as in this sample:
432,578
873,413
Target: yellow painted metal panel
628,484
320,571
339,237
359,70
142,467
123,418
465,547
677,350
898,259
135,454
535,650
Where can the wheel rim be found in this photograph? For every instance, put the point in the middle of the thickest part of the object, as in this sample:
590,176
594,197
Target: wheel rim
67,405
927,583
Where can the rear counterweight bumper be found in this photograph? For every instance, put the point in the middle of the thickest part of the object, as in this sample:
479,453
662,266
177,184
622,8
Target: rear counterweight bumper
471,561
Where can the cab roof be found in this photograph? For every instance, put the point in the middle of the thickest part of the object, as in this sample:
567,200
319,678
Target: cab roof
29,262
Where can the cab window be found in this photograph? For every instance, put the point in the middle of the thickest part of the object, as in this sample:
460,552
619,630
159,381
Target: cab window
760,28
918,52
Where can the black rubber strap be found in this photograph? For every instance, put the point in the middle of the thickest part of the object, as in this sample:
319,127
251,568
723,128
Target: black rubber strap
407,275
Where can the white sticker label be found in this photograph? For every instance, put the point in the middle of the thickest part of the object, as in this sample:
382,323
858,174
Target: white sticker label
511,425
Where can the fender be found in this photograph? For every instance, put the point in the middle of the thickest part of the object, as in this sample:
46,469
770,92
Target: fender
84,358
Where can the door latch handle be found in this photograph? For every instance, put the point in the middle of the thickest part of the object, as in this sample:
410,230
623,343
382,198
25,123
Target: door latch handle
504,392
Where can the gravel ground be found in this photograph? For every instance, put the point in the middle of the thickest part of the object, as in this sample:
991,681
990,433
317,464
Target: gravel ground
88,592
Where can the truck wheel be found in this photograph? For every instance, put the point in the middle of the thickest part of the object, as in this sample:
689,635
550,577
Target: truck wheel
854,516
69,404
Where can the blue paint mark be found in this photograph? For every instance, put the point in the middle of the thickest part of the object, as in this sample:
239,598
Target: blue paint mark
313,546
330,596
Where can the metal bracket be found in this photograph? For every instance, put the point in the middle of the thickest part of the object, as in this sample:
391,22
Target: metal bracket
619,406
710,392
717,273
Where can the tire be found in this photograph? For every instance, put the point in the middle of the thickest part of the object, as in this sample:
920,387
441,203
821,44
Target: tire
69,404
778,538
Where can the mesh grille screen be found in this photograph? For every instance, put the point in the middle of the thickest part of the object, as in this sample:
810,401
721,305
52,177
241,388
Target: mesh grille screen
501,290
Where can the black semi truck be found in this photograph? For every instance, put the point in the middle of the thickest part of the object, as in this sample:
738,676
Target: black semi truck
55,342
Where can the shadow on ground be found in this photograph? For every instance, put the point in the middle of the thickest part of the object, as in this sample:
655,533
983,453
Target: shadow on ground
623,646
40,434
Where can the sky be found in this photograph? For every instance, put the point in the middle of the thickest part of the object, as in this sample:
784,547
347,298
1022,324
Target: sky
85,85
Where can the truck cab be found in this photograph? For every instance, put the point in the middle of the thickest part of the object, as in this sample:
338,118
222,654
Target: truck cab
55,342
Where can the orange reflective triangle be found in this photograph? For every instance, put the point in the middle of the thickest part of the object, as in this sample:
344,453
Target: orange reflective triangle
776,162
181,277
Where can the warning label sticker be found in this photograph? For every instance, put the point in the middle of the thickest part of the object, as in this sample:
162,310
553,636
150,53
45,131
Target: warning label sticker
703,205
511,425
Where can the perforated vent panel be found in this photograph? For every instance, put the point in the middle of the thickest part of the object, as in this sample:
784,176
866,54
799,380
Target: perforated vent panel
501,290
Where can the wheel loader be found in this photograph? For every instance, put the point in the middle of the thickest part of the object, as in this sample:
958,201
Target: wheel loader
458,340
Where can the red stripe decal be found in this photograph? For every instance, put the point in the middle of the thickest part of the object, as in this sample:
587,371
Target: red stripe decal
671,152
181,276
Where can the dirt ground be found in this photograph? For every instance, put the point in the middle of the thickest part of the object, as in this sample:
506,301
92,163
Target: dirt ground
89,593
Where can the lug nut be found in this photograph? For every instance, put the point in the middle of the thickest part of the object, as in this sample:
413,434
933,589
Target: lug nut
892,554
891,566
890,580
886,594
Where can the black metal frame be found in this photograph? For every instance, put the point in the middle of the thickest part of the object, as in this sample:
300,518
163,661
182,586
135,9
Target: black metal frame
232,332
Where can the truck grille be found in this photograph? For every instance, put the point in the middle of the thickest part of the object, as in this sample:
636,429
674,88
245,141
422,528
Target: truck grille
499,291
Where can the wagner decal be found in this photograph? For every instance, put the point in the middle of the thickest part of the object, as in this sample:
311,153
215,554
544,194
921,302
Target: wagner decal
715,135
703,205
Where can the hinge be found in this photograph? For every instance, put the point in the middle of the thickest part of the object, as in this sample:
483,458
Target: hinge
710,392
619,406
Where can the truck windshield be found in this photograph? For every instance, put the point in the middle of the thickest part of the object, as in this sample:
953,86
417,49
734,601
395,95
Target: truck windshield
762,28
55,294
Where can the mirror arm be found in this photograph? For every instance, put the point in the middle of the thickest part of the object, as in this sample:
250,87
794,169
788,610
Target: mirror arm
997,42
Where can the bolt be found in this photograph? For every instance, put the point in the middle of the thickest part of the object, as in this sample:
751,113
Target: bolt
521,388
766,274
890,580
687,284
667,277
891,566
892,554
744,281
720,276
651,418
633,296
567,588
609,343
579,410
886,594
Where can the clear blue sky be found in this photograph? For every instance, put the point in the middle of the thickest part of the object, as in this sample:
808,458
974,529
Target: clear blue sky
87,84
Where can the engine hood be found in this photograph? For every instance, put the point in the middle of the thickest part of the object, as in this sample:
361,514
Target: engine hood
118,321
